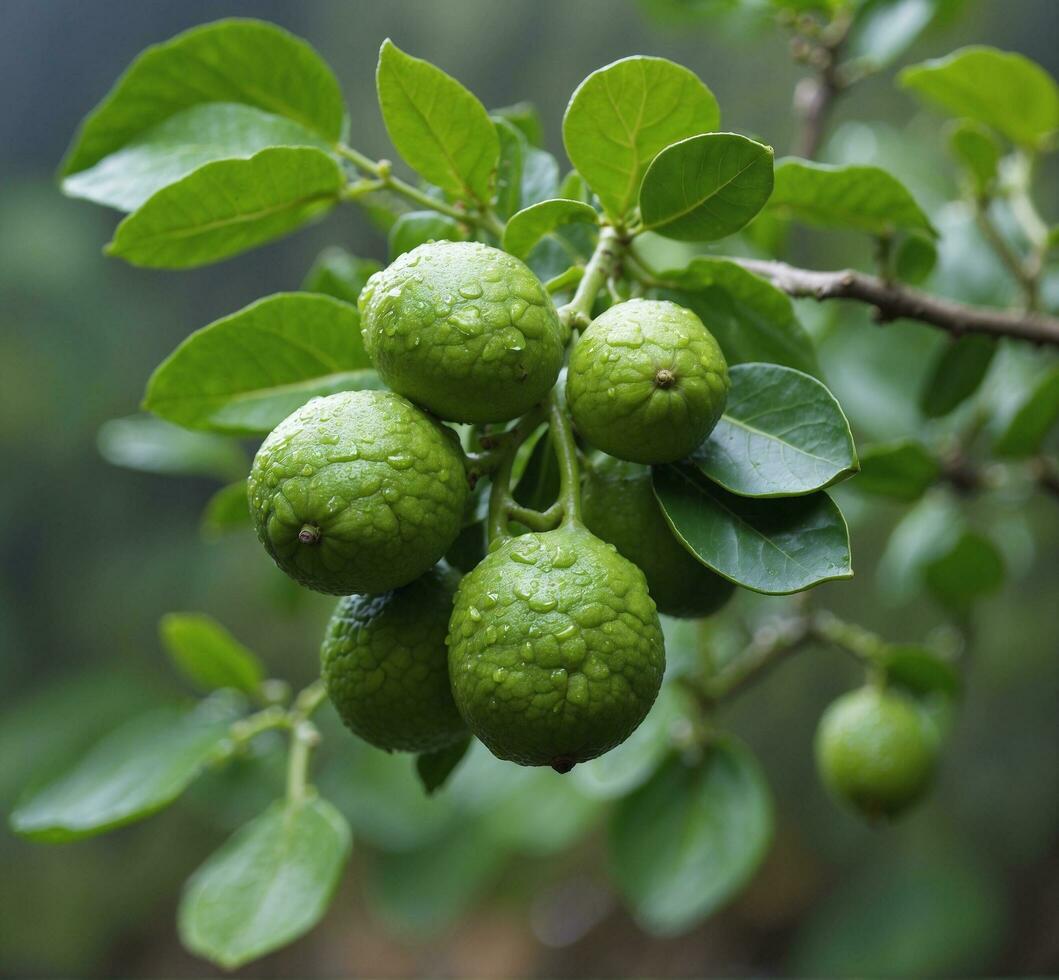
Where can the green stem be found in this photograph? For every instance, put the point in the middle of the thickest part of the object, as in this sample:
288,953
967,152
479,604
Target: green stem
483,218
609,249
771,645
562,435
1022,273
536,520
507,446
863,645
304,736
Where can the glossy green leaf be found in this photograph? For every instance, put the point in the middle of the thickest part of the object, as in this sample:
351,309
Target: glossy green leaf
270,883
303,345
770,546
623,115
903,469
684,843
977,151
229,206
706,187
956,374
180,144
130,774
440,129
915,258
207,654
418,227
531,224
140,442
751,319
244,61
509,168
852,197
782,434
227,510
971,569
341,275
434,768
884,29
524,117
1034,418
1003,90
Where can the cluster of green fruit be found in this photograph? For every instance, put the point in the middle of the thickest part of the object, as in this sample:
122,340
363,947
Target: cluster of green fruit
549,651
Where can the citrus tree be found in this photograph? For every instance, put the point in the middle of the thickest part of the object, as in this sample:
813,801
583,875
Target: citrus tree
549,443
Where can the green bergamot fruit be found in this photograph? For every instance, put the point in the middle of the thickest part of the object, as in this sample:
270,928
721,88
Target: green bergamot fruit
619,506
555,649
876,751
385,665
647,382
463,329
358,492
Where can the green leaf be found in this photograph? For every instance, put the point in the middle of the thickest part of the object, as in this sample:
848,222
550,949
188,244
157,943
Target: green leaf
782,434
1034,418
531,224
884,29
417,227
971,569
341,275
751,319
920,671
434,768
524,117
509,168
690,839
706,187
180,144
623,115
303,345
128,775
540,176
1003,90
977,151
903,469
853,197
915,258
270,883
440,129
207,654
245,61
227,510
958,370
140,442
229,206
771,546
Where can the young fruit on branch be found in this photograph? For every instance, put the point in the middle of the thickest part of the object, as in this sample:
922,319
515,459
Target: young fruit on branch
358,492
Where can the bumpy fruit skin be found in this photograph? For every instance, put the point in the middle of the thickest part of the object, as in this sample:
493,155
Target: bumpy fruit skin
385,665
463,329
358,492
555,649
876,751
647,382
618,505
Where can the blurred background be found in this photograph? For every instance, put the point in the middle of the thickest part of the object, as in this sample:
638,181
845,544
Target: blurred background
505,872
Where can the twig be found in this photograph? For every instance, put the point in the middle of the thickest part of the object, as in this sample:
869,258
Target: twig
893,301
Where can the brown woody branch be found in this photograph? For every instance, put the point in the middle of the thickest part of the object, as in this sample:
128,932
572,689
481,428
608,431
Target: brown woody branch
894,301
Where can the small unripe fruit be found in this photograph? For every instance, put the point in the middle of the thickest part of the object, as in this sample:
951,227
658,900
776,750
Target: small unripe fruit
647,382
876,751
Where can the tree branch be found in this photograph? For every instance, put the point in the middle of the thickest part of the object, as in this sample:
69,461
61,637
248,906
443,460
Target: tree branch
893,301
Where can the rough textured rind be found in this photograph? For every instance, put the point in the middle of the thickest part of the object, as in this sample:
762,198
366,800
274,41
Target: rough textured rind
383,485
463,329
385,665
619,400
555,649
619,506
876,750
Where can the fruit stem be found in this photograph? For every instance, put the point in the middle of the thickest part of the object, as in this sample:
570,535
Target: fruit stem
507,445
562,435
609,249
304,737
